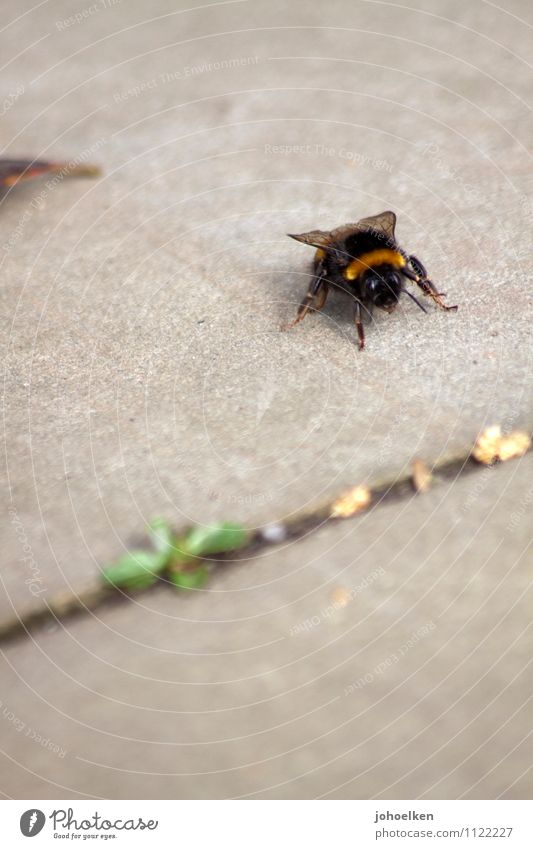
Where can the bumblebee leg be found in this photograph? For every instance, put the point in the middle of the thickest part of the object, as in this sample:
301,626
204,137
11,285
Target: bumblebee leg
420,277
314,299
359,324
407,272
429,289
321,297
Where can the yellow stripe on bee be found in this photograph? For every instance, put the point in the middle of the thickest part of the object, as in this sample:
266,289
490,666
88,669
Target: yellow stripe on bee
320,254
382,256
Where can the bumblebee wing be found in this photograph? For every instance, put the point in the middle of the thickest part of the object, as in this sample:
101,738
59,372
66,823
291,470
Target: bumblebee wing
316,238
381,225
384,223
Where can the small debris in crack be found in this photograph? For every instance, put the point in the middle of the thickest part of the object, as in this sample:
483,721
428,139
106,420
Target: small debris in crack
352,502
274,533
422,477
491,445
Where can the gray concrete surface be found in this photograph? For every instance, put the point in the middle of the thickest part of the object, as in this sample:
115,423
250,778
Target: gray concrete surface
144,368
418,685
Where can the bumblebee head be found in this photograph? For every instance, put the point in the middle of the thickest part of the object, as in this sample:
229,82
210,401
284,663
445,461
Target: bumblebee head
382,286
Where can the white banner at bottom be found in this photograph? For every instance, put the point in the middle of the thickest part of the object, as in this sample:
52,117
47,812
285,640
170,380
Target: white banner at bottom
266,824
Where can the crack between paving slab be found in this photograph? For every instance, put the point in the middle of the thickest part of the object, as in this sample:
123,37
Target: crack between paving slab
68,605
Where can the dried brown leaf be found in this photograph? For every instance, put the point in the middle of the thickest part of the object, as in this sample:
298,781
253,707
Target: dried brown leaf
14,171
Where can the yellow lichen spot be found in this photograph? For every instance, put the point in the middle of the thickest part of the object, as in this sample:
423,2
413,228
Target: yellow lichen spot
352,502
492,445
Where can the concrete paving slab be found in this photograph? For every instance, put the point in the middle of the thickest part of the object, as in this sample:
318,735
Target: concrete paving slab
384,657
145,372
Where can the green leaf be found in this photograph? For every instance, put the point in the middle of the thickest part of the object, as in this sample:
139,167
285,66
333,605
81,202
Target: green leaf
180,555
190,579
161,536
136,570
203,541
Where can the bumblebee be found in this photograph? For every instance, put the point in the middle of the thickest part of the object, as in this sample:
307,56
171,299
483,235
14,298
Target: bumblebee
365,261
